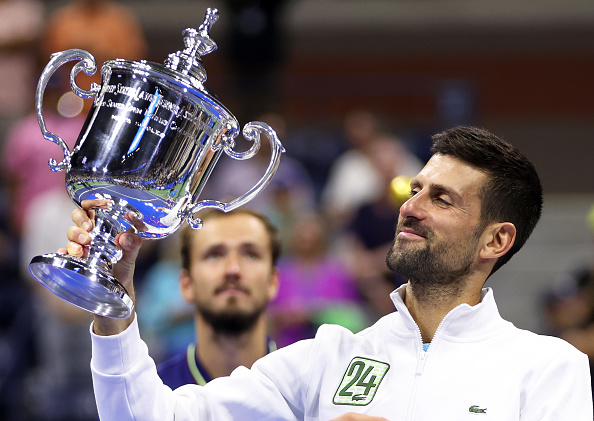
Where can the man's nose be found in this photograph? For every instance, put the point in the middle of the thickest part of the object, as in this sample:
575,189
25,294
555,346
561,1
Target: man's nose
232,264
415,206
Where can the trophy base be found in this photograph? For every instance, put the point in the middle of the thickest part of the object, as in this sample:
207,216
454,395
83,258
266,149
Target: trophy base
90,288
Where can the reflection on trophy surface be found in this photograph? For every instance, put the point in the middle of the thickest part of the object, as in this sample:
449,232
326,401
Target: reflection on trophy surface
149,144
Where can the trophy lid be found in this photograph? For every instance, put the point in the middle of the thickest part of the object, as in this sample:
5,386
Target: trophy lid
197,44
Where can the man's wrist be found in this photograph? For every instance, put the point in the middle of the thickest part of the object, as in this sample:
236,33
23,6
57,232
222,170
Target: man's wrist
107,326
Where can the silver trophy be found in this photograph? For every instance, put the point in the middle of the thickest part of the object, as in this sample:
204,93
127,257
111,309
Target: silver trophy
148,145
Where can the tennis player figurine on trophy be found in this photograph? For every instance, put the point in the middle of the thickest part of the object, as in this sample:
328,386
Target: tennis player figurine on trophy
148,145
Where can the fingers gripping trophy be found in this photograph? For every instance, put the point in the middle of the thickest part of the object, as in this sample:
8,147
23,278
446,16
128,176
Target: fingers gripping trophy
148,146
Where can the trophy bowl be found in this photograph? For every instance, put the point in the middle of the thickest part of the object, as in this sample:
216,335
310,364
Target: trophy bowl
149,144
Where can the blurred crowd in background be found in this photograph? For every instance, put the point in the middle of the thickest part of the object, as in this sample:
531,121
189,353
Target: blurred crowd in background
335,200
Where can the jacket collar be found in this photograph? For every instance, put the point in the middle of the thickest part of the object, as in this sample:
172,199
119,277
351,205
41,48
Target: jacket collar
461,323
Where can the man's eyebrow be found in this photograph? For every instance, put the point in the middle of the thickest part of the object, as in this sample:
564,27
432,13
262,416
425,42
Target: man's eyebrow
436,188
249,244
216,247
220,247
440,188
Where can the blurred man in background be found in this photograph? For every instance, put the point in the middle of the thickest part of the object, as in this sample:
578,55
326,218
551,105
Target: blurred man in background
229,275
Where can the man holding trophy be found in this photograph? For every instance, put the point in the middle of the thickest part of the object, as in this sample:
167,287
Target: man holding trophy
446,348
445,354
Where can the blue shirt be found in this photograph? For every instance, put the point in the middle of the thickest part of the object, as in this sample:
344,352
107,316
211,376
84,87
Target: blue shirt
186,368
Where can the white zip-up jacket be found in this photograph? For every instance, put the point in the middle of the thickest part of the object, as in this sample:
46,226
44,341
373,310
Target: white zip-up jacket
478,367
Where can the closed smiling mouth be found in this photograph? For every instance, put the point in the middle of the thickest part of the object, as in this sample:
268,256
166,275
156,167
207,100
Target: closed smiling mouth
231,288
409,233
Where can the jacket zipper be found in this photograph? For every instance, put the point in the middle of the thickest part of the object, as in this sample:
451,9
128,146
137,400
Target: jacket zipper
417,380
420,368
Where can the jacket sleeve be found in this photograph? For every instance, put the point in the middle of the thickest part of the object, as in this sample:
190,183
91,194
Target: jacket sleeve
127,386
561,388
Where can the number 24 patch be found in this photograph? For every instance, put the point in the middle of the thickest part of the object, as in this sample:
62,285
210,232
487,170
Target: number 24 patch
360,382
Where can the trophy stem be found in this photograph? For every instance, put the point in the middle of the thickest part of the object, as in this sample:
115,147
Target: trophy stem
89,283
103,247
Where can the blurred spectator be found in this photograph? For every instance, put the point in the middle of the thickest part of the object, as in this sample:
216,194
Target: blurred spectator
60,386
228,277
316,149
105,28
17,353
370,233
569,306
20,24
315,287
353,179
26,154
256,48
255,34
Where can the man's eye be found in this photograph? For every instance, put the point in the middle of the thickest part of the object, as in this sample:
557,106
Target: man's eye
253,255
442,201
213,255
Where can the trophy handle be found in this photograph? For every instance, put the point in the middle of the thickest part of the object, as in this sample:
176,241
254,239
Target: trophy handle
251,131
87,64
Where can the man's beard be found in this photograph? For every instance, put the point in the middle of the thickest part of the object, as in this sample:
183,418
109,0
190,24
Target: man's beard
437,269
231,322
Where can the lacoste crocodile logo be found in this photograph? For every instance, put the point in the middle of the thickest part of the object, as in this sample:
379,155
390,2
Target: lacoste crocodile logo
474,409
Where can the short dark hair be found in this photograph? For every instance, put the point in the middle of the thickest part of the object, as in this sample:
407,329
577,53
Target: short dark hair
187,231
512,193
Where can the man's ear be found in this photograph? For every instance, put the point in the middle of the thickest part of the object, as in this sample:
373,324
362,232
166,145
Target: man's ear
186,286
500,237
274,284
